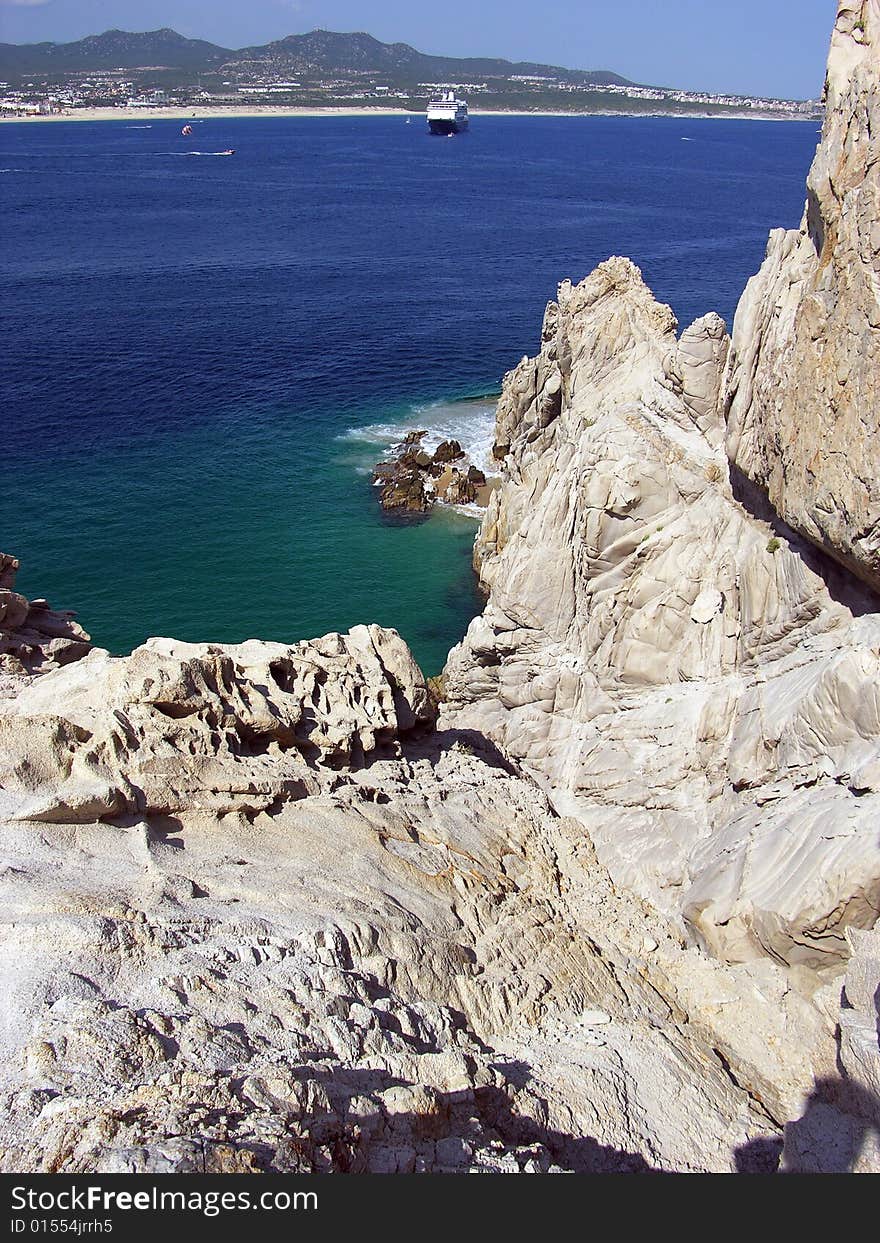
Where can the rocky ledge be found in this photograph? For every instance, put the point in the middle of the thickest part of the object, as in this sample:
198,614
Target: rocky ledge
260,914
414,480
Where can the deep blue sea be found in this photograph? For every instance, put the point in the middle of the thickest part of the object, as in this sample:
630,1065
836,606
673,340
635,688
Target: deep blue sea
203,355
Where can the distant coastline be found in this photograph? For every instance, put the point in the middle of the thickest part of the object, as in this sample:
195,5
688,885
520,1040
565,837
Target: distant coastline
207,112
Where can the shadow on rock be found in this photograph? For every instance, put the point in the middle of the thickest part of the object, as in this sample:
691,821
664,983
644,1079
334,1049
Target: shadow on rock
759,1156
838,1133
474,1130
466,741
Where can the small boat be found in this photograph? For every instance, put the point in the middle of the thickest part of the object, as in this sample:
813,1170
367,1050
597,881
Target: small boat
186,131
228,151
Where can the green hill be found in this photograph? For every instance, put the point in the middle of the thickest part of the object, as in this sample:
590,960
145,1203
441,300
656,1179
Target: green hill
319,52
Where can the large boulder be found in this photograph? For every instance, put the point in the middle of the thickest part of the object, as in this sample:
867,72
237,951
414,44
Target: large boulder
448,451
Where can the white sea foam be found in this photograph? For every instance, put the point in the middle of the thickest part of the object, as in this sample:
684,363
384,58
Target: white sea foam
471,423
469,511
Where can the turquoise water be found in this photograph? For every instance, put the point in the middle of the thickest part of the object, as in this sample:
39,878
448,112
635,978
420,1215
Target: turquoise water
203,357
244,527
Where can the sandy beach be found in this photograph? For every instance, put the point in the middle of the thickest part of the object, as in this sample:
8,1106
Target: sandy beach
203,113
220,113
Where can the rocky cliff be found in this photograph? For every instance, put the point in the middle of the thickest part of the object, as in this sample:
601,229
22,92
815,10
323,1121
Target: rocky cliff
697,689
271,907
803,388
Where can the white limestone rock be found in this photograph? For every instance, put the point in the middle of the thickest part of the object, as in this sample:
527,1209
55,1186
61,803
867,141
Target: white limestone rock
674,672
259,914
839,1129
260,955
802,389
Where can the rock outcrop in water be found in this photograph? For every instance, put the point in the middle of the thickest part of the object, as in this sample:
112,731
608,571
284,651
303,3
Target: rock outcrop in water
803,391
33,637
264,910
415,479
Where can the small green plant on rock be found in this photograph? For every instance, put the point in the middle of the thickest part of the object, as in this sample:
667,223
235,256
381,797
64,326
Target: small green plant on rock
436,689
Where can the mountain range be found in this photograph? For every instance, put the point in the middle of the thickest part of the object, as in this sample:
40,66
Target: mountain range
320,52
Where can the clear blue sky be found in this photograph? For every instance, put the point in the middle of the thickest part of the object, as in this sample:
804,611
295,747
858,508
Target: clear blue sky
772,47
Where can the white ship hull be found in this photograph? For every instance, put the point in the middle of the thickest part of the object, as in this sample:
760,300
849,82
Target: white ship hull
448,115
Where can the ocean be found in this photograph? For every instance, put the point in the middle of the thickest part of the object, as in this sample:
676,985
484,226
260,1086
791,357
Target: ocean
202,356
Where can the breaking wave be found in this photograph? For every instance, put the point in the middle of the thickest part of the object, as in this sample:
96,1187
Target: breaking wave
470,421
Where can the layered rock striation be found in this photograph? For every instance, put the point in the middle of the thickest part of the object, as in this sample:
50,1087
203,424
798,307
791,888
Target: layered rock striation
696,688
803,388
260,915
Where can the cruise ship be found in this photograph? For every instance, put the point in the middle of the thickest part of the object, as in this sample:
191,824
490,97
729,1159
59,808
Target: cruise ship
447,115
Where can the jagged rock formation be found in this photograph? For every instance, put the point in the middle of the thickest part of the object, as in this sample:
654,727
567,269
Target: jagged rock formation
259,915
680,670
33,637
812,316
249,720
675,673
859,1053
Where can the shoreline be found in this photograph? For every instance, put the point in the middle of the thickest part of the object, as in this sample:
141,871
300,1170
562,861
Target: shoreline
204,113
